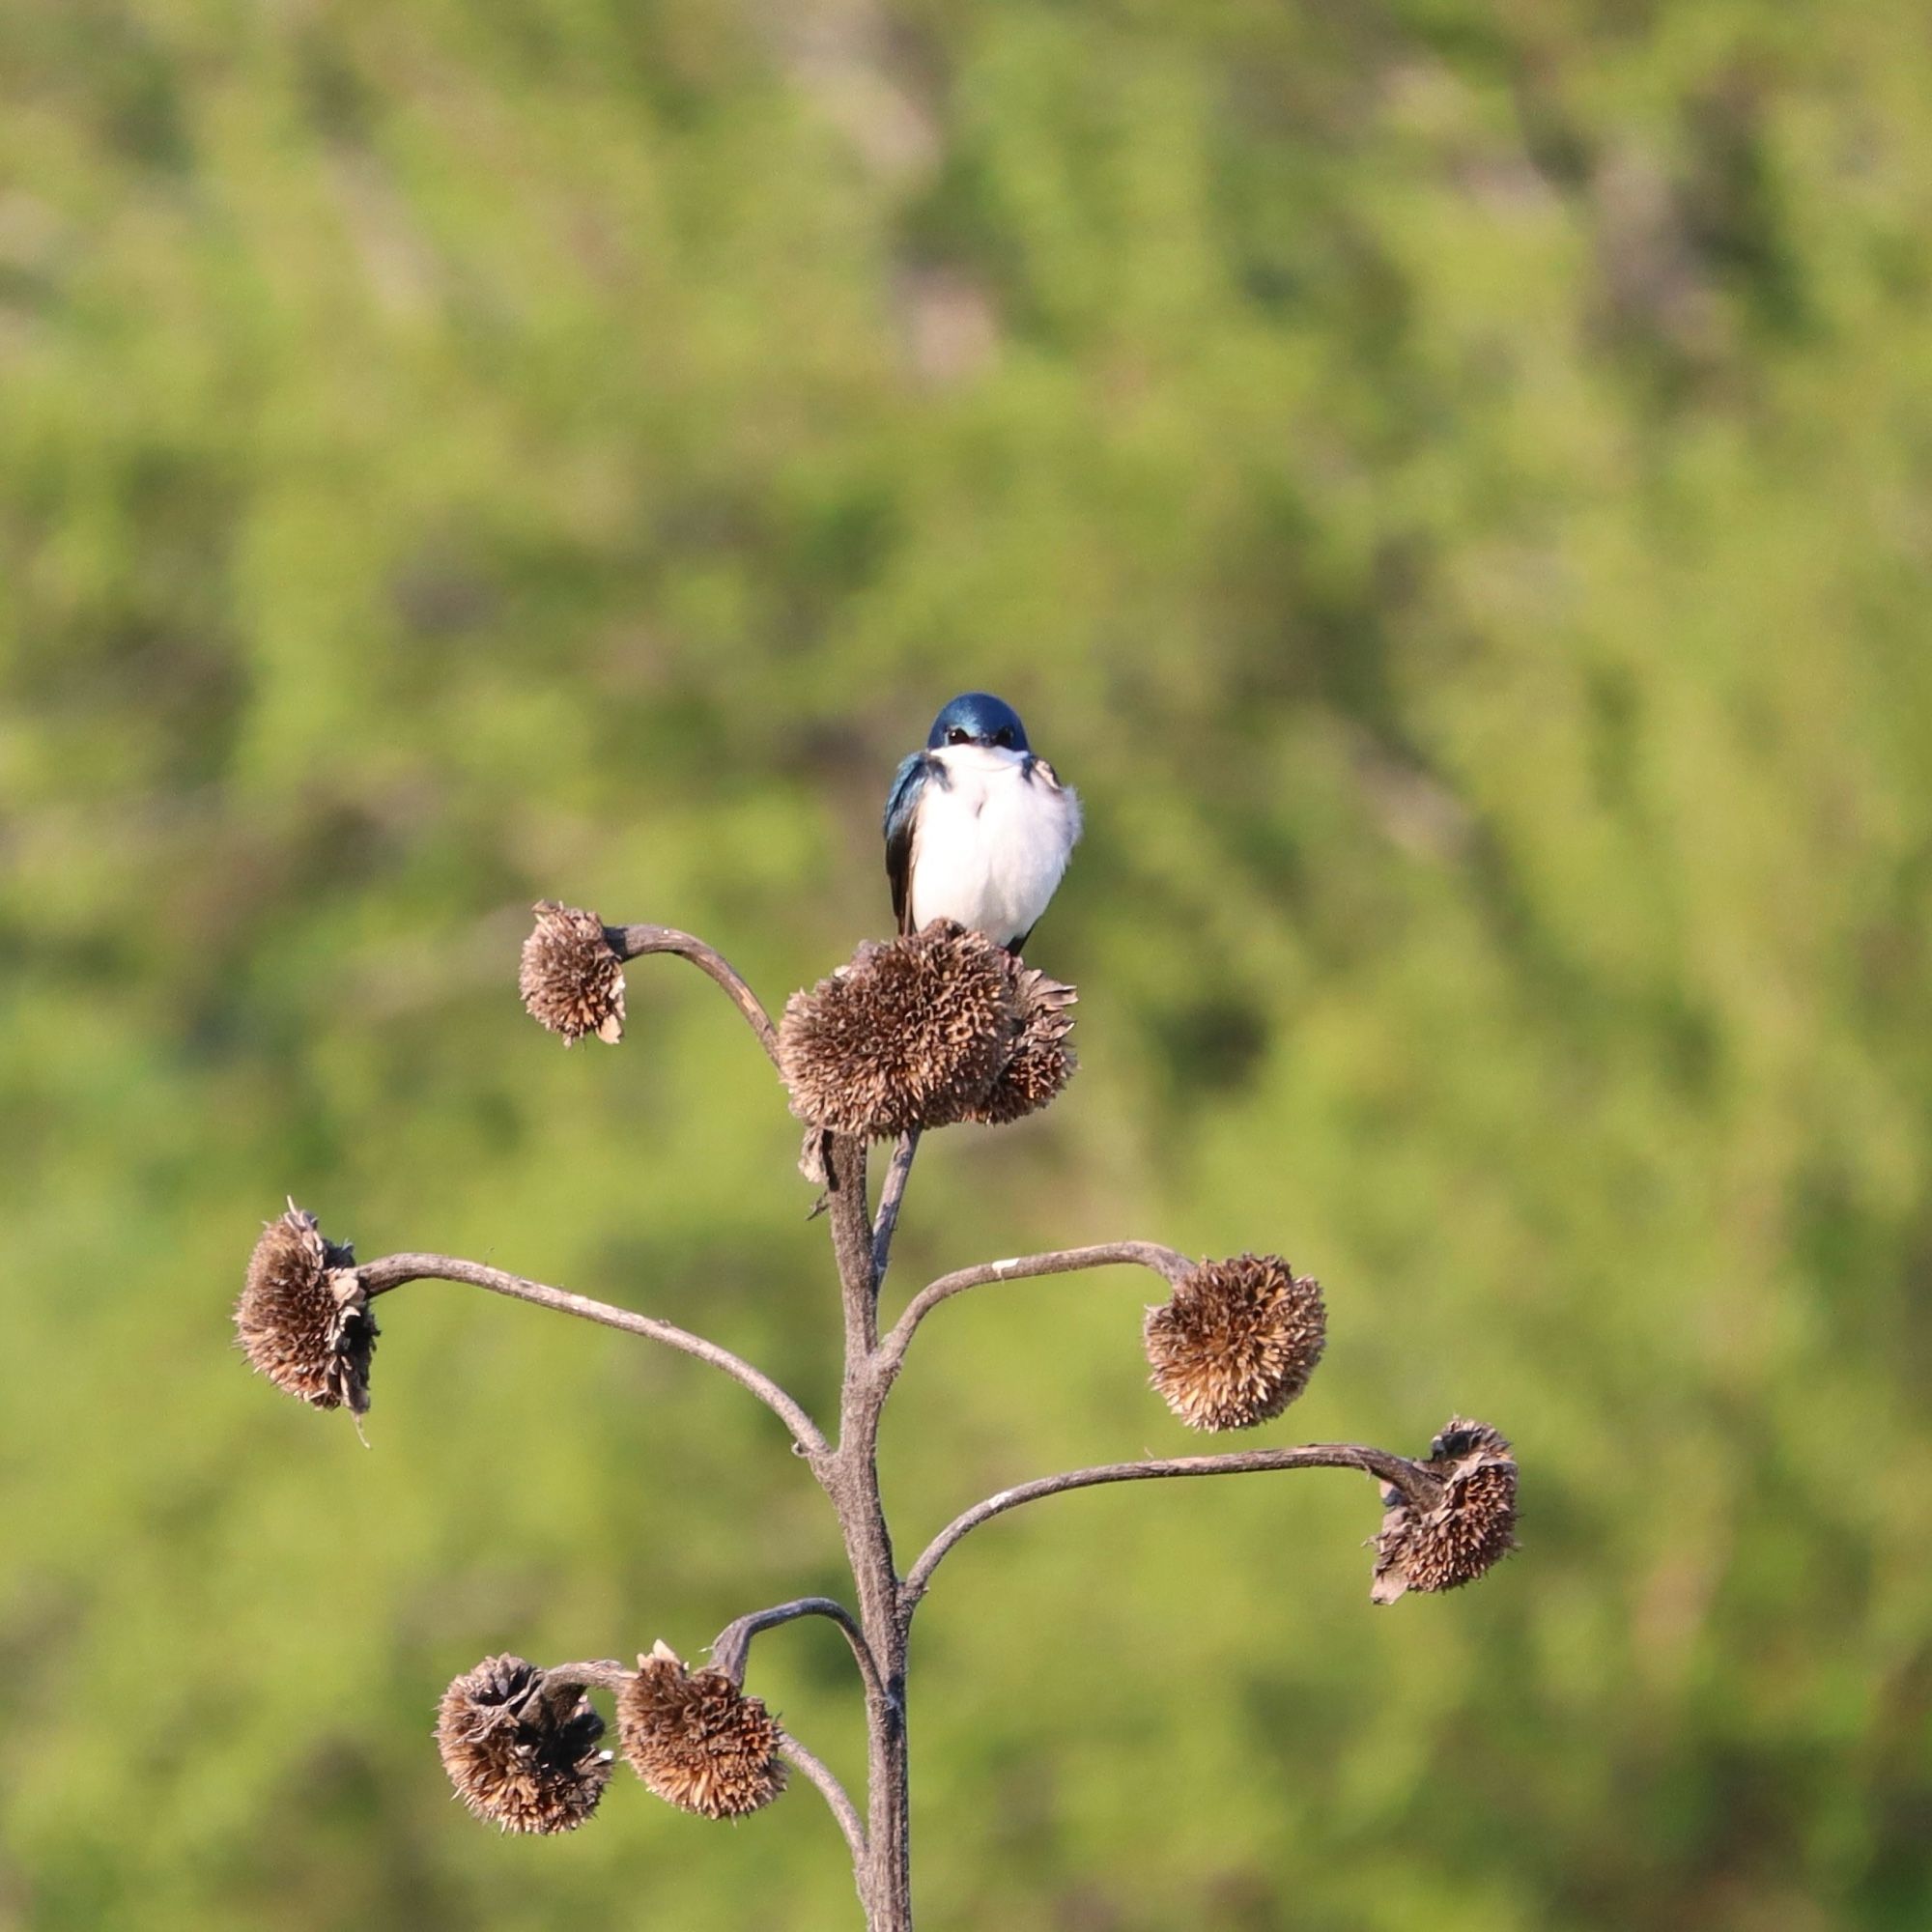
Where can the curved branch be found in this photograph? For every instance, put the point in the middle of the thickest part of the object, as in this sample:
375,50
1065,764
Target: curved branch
603,1674
1164,1262
890,1196
734,1640
1416,1483
379,1277
634,942
843,1807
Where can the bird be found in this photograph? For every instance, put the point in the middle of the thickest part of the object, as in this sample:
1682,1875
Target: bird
979,827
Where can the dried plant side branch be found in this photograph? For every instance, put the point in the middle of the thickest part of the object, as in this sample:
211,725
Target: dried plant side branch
890,1196
1413,1482
836,1795
734,1640
634,942
1164,1262
379,1277
603,1674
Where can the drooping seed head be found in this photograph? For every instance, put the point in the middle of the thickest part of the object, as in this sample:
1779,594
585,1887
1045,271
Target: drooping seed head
521,1750
909,1034
1237,1342
570,980
1470,1527
697,1739
1040,1063
303,1318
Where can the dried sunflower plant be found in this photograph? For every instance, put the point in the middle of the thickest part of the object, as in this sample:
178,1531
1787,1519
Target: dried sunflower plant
929,1030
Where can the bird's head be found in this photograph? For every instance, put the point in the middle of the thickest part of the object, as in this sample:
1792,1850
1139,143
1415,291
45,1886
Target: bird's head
978,717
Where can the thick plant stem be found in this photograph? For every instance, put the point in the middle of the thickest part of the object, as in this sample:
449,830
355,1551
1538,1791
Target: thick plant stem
886,1885
852,1481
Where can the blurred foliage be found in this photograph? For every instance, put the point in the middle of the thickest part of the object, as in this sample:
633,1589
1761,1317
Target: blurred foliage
1450,482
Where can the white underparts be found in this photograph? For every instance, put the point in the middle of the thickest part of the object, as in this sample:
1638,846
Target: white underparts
991,840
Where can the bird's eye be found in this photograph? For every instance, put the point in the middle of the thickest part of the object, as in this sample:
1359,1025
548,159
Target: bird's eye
1003,736
956,736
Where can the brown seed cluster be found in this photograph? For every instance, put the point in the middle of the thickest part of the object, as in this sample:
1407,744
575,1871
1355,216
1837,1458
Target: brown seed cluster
909,1034
1237,1343
571,981
521,1750
697,1739
936,1027
303,1318
1471,1526
1040,1063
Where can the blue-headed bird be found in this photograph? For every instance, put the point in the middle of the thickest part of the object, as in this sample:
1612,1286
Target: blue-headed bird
979,829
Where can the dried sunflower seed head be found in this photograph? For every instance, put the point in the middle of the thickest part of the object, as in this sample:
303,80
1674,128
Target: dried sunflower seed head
1470,1527
1041,1061
697,1739
1237,1342
521,1748
909,1034
571,981
303,1318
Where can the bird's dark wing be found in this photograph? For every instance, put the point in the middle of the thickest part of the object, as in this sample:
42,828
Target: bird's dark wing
901,810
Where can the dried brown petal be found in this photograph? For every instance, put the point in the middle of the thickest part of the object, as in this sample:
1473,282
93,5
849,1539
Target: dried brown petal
1237,1342
909,1034
521,1748
303,1318
1040,1063
697,1739
1470,1527
571,981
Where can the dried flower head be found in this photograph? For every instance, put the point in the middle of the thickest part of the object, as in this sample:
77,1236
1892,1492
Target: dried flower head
303,1317
1040,1063
1471,1525
909,1034
571,981
697,1739
521,1748
1237,1342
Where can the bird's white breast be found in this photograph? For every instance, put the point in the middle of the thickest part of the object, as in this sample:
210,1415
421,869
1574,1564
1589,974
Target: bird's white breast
991,840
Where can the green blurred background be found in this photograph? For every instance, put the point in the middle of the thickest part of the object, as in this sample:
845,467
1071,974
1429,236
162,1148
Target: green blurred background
1450,481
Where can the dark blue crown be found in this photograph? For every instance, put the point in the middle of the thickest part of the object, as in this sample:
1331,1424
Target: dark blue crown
980,719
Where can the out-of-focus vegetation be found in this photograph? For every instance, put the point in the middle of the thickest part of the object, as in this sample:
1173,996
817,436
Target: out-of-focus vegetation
1450,482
